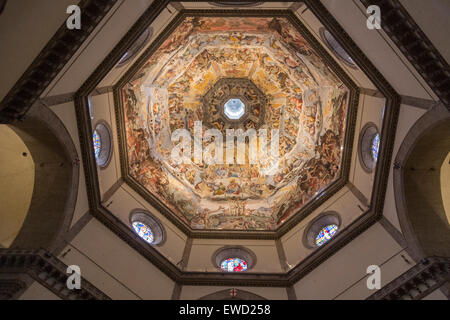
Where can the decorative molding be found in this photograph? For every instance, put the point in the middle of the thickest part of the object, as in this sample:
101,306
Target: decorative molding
418,282
52,58
68,97
415,46
176,293
58,99
281,255
186,254
291,294
358,194
408,100
11,289
77,227
112,190
395,234
371,92
46,269
418,102
177,5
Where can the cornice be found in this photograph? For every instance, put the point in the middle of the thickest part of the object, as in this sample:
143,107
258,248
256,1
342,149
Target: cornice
46,269
418,282
52,58
415,46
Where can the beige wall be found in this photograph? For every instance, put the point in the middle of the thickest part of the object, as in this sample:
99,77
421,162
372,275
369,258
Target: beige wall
38,292
16,184
203,250
445,186
25,28
343,275
112,266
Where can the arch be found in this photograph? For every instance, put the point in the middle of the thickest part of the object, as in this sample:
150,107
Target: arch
417,185
238,294
56,179
16,184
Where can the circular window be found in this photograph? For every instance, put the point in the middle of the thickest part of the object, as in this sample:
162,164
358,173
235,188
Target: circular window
97,143
234,259
234,109
143,231
233,265
375,146
135,48
147,227
101,138
369,145
337,49
321,230
326,234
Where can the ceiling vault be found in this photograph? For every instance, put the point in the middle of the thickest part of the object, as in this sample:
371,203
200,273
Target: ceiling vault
123,231
398,25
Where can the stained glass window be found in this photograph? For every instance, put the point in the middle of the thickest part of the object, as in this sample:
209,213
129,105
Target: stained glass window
97,143
326,234
143,231
233,265
375,146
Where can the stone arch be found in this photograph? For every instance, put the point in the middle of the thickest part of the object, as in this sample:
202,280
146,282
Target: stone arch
417,185
238,295
56,179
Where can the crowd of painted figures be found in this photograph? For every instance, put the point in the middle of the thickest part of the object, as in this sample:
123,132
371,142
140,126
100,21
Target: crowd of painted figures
304,100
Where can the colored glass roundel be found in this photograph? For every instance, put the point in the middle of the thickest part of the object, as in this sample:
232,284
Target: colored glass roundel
97,143
326,234
143,231
375,146
233,265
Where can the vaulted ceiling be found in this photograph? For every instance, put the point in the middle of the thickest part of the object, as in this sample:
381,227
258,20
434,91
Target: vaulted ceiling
198,58
289,88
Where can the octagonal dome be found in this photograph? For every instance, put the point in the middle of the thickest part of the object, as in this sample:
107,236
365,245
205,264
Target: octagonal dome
300,116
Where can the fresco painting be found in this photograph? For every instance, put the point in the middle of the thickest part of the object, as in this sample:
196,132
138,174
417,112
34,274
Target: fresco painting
305,101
